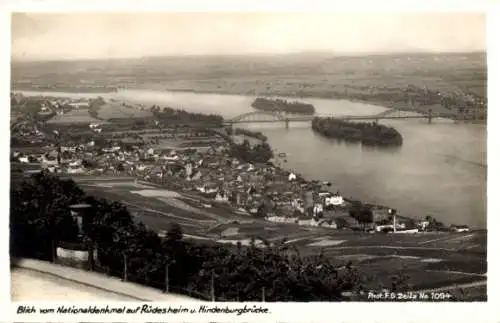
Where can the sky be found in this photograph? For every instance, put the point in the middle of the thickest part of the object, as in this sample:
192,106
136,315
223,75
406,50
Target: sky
47,36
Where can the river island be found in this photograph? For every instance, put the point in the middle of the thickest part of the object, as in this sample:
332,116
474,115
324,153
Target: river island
371,134
279,105
178,179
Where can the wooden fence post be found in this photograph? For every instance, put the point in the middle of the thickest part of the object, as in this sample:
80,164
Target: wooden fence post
91,257
124,267
212,287
54,250
166,278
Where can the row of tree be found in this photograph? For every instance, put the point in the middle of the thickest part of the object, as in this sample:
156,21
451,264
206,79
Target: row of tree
159,134
364,132
40,220
259,153
94,107
279,105
169,115
249,133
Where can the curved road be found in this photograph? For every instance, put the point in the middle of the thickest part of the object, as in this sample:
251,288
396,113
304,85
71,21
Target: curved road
30,285
63,283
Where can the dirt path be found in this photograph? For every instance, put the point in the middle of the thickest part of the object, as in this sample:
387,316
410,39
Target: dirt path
454,286
458,272
394,247
170,215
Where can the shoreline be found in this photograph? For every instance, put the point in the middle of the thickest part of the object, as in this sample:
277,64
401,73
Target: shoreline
89,90
216,92
387,105
375,103
280,95
309,181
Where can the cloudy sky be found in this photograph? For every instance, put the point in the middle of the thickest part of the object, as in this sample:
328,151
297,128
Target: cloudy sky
43,36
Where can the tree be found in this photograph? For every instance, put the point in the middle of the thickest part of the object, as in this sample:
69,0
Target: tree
433,223
100,142
362,213
39,215
259,153
174,233
66,154
261,211
399,281
87,164
366,133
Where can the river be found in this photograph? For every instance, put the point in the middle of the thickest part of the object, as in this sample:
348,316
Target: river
440,170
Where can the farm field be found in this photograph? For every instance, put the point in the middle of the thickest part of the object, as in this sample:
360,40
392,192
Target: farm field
313,75
113,110
158,208
328,86
77,116
431,260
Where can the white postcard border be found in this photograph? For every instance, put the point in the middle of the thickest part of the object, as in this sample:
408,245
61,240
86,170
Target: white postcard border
290,312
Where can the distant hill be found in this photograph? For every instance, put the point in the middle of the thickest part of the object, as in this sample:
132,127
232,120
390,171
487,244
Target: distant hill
261,74
195,64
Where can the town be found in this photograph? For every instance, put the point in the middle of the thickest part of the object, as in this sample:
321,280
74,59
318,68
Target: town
176,171
197,159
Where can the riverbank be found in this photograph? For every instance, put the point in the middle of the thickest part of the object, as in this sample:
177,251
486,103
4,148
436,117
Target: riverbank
272,94
291,94
278,95
279,180
351,97
445,150
69,89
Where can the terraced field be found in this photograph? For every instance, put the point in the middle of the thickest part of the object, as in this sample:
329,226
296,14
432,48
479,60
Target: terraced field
158,208
431,260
